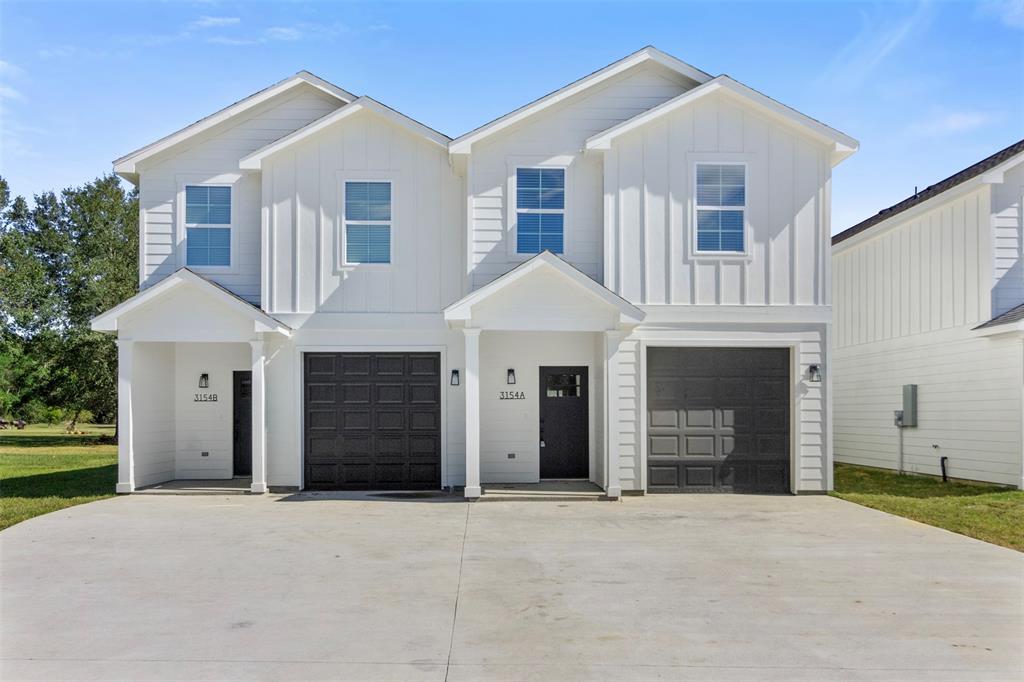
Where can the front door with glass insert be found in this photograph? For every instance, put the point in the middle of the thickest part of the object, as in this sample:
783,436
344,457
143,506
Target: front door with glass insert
564,427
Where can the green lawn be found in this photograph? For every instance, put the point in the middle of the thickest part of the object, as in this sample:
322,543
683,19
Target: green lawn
43,470
986,512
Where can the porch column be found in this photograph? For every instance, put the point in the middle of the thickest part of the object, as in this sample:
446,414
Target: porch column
472,337
612,339
259,420
125,438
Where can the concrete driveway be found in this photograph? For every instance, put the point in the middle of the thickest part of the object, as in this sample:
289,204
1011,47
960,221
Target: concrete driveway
662,587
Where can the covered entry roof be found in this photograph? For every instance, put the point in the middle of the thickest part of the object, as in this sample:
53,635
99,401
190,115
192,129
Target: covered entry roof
211,293
544,294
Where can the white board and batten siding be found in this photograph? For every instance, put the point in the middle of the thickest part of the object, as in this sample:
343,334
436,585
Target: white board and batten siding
303,196
649,210
556,138
210,157
906,299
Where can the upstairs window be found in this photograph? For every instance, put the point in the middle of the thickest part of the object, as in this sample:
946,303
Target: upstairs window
367,222
721,203
540,210
207,225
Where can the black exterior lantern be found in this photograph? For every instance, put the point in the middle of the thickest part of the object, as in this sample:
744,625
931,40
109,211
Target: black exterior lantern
455,377
814,374
204,380
511,376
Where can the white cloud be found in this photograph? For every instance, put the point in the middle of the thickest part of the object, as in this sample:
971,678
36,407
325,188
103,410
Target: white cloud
877,39
7,92
8,69
1009,12
57,51
284,33
379,27
215,22
231,42
944,123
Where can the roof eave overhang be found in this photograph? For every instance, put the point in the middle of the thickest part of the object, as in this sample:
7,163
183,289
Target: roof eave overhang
460,313
254,161
1001,329
464,143
107,322
842,145
127,165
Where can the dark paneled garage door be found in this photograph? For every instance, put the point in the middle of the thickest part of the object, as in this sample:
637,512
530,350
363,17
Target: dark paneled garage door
717,420
372,421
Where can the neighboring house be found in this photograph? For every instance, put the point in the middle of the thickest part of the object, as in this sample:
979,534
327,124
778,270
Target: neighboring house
930,292
625,281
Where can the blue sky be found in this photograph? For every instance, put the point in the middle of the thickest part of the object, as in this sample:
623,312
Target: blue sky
927,88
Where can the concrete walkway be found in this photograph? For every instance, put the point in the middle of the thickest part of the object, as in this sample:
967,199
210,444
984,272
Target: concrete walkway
348,587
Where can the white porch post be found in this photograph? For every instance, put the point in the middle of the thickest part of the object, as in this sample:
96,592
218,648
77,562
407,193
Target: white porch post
472,337
125,438
259,420
613,487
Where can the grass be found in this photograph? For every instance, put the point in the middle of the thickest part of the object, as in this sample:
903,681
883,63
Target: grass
42,469
987,512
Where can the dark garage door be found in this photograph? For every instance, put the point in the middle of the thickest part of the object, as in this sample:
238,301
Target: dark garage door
372,421
717,420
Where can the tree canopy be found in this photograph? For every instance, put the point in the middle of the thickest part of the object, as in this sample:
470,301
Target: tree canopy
63,260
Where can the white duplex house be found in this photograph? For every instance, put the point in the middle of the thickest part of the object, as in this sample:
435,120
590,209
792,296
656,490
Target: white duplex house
626,281
929,294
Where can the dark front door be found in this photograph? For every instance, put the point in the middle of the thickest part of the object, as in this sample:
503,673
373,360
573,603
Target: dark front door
372,421
242,432
564,423
718,420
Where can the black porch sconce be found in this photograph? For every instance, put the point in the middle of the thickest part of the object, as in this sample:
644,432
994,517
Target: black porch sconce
455,378
511,376
204,380
814,374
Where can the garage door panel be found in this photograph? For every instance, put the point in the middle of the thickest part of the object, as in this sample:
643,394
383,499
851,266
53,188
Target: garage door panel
372,421
732,434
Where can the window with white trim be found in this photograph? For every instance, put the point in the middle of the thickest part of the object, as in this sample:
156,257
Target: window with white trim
540,210
207,225
367,222
721,204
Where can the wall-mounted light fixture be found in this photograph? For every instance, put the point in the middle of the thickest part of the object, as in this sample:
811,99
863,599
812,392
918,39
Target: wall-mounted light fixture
204,380
814,374
510,378
455,377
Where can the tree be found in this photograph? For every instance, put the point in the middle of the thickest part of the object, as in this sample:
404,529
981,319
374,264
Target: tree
63,261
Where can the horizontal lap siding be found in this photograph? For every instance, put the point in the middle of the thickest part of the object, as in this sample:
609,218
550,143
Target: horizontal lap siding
969,405
1008,241
562,130
153,413
905,303
649,203
214,153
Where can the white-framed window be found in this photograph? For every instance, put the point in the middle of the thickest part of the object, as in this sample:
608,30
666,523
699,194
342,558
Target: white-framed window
721,204
208,226
540,210
367,221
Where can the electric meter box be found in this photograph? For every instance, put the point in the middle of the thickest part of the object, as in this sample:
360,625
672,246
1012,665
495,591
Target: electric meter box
909,405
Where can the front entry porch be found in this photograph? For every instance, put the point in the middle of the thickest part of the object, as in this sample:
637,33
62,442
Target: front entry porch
541,378
551,490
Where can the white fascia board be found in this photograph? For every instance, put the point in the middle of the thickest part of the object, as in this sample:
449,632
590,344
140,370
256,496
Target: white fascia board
254,160
1000,329
107,321
995,175
126,165
462,310
464,143
930,204
842,145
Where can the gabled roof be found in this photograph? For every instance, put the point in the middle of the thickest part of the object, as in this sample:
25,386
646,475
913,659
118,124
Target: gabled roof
461,310
126,165
462,144
843,145
253,160
995,164
107,322
1013,316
